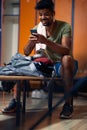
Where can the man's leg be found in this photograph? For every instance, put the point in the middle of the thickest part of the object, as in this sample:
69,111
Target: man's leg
12,106
67,74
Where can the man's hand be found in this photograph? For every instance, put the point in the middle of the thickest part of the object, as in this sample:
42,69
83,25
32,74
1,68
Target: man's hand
38,38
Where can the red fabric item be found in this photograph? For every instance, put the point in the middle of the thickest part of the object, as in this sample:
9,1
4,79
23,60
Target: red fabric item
44,60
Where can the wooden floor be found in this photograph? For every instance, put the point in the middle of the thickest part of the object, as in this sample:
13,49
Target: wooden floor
35,110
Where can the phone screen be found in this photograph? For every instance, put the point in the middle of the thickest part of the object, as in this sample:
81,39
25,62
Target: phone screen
33,31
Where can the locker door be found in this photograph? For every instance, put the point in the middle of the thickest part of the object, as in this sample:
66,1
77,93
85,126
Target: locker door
0,28
27,21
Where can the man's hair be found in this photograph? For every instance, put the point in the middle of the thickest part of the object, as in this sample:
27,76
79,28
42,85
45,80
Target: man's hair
45,4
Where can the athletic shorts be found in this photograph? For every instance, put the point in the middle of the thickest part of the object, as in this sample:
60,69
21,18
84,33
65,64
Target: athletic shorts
58,66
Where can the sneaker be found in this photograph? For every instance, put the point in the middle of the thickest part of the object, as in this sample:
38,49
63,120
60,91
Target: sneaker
38,94
43,94
11,108
67,111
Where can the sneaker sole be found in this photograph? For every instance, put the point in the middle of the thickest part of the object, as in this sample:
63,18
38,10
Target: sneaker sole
11,111
65,117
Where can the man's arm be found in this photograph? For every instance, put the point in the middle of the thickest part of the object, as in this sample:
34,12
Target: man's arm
28,48
30,45
63,49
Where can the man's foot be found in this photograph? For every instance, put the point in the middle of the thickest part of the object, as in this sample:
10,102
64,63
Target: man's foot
11,108
67,111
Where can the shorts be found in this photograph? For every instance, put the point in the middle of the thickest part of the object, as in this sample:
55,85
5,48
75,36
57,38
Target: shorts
58,65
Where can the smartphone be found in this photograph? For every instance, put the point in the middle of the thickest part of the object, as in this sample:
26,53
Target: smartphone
33,31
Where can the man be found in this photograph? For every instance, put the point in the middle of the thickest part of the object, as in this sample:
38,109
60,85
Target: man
57,39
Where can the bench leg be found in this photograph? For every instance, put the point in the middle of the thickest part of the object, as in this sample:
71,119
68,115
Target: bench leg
18,103
26,88
50,95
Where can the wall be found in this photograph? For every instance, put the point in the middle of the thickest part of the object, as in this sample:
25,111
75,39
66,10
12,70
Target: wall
63,10
80,33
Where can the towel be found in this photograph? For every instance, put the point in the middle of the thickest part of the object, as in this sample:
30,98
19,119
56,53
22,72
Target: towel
41,30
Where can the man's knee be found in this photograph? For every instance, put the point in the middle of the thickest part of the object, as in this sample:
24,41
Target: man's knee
67,61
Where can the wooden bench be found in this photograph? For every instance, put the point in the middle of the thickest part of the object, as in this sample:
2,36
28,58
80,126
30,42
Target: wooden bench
18,79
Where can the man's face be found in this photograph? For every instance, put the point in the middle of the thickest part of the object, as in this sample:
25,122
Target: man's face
46,17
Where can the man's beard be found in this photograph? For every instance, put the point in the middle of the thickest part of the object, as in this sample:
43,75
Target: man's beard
47,24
